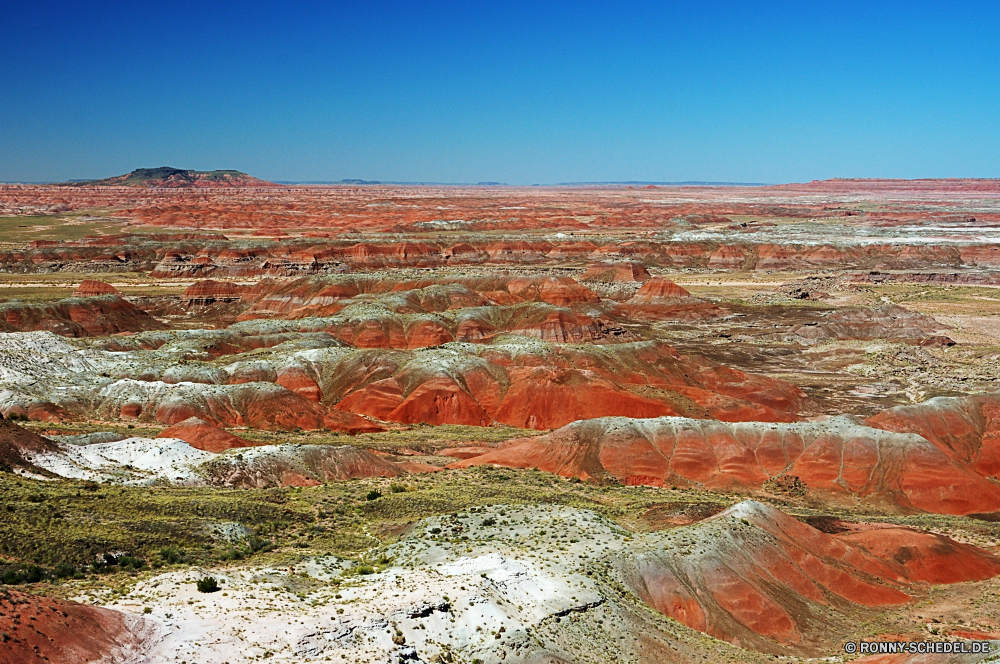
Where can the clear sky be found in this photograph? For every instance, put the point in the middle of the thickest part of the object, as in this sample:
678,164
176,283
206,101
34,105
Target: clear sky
501,91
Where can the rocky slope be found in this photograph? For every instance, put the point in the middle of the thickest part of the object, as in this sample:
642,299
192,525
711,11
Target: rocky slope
165,460
966,429
538,583
17,445
840,460
310,380
201,435
46,629
758,578
77,317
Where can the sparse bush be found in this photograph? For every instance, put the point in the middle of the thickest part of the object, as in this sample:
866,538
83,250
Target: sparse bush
207,584
256,544
127,562
789,485
489,521
65,571
13,576
364,569
171,555
397,488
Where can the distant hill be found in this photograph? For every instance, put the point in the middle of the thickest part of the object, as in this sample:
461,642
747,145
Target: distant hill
165,176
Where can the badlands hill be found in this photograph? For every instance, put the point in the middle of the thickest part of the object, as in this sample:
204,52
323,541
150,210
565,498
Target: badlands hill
529,425
755,576
83,633
840,459
165,176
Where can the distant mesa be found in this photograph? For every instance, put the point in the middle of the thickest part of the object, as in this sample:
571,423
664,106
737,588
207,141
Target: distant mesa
356,181
176,178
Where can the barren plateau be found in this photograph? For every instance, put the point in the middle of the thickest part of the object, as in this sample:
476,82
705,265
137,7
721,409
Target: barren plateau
247,422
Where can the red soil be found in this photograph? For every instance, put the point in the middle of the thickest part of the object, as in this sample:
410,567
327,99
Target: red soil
256,405
77,317
16,441
208,291
463,452
926,556
204,436
837,460
39,629
297,380
92,288
178,256
617,272
549,387
758,578
662,299
966,429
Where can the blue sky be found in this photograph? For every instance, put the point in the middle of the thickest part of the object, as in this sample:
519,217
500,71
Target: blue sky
502,91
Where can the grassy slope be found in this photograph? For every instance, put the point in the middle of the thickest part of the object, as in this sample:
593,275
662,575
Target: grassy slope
48,523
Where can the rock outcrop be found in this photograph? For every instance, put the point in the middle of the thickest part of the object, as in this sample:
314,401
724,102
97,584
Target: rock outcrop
889,322
16,442
966,429
625,272
209,291
547,386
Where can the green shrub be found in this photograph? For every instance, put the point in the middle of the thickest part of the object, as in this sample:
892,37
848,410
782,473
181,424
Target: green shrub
397,488
232,554
374,494
131,562
65,571
13,576
259,544
171,555
207,584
